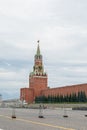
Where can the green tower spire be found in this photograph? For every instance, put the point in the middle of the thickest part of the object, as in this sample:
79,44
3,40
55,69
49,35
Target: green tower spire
38,50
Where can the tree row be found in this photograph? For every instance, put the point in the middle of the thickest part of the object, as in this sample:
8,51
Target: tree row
72,98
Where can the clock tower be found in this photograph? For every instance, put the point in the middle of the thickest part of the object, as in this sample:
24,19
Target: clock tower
38,78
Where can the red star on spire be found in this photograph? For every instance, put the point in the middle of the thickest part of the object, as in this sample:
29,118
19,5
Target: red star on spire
38,41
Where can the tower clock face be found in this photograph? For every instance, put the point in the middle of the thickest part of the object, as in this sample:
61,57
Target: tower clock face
37,63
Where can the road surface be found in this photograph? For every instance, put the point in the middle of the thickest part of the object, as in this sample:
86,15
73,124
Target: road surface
27,119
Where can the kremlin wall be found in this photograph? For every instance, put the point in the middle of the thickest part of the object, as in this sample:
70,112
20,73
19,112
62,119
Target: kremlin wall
38,83
66,90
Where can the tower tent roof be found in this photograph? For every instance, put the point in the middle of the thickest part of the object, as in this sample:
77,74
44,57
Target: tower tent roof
38,50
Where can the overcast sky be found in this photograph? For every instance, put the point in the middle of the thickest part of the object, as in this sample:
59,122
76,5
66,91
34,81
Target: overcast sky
61,27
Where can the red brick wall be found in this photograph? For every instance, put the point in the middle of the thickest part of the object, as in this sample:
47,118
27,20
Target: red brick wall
27,95
39,87
30,96
38,83
66,90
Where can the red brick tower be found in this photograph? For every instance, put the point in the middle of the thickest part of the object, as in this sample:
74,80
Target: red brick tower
38,78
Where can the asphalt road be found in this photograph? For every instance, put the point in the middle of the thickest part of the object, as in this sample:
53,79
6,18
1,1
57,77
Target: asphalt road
27,119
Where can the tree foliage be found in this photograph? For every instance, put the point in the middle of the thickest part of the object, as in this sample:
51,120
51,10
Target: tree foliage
79,97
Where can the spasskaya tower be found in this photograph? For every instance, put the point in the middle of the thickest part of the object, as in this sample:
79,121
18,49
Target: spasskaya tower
38,78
